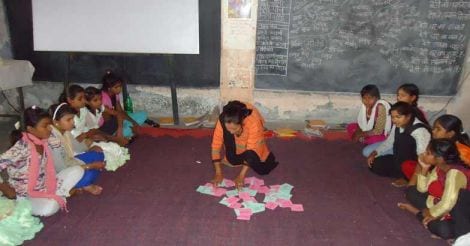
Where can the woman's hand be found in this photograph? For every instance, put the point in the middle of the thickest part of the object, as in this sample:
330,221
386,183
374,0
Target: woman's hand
427,217
98,137
98,165
121,114
371,158
218,178
110,111
358,134
7,191
239,181
424,166
81,137
96,149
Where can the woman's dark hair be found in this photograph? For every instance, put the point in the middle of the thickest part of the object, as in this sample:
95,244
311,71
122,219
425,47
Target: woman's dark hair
446,149
235,112
64,109
31,117
453,123
15,135
412,90
370,90
109,80
420,115
70,92
90,92
403,108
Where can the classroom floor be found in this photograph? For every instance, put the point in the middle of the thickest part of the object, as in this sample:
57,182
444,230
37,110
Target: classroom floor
152,201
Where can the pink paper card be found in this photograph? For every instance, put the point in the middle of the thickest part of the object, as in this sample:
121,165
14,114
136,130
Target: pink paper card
249,199
271,205
254,187
258,182
245,211
219,192
249,180
235,205
244,217
232,199
275,187
229,183
244,195
263,189
284,203
297,208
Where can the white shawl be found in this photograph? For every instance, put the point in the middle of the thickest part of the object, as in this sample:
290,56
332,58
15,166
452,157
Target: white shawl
367,125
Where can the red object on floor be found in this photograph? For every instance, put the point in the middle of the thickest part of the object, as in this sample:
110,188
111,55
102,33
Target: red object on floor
176,133
207,132
408,168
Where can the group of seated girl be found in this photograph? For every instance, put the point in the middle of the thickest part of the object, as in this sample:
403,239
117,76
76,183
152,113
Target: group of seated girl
61,152
432,163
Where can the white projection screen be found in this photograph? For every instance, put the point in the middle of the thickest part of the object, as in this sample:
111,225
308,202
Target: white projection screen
124,26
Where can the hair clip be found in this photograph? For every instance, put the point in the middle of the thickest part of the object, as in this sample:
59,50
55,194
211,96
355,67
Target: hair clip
57,110
34,107
17,125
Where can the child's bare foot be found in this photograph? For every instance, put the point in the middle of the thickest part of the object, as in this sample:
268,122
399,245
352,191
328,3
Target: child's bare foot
400,183
408,207
76,191
93,189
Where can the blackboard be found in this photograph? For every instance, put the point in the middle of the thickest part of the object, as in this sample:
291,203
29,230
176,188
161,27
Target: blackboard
202,70
341,45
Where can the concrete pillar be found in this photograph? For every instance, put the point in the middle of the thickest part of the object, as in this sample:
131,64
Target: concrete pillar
237,66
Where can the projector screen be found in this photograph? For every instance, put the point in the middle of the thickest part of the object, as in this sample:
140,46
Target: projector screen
124,26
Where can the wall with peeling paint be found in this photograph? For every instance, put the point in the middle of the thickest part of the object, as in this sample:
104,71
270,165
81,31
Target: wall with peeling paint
275,105
155,100
332,107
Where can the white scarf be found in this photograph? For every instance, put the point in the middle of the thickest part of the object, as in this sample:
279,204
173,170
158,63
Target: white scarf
367,125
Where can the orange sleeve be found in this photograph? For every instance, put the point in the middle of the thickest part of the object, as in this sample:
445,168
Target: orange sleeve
464,152
217,141
255,112
255,140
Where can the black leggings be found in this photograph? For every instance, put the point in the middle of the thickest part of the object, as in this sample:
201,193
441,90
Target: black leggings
387,166
249,157
446,229
110,126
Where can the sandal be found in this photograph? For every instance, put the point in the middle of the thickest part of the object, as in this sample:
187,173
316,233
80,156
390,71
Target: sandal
400,183
152,123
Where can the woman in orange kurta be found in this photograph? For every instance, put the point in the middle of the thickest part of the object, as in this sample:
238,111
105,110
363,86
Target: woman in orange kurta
240,129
